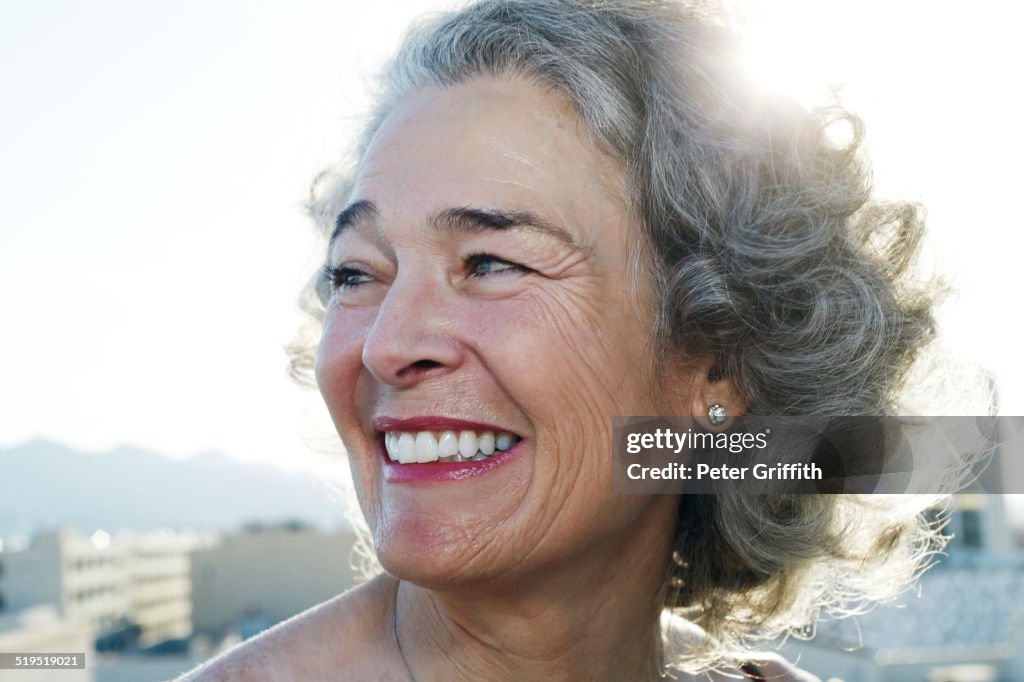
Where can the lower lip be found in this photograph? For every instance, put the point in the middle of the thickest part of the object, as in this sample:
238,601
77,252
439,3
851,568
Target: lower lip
442,471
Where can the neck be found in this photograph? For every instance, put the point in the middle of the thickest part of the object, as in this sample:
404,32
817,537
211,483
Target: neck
595,618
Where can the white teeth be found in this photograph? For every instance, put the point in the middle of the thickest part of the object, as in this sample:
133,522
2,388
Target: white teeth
406,448
422,447
448,446
426,447
503,441
467,444
486,443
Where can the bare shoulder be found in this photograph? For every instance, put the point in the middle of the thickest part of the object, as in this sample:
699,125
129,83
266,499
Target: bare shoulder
335,640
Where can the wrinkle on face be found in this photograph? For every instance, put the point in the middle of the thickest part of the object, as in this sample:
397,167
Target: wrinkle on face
553,353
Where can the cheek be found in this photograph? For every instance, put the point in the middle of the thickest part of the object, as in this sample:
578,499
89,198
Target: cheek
570,364
339,373
339,360
571,352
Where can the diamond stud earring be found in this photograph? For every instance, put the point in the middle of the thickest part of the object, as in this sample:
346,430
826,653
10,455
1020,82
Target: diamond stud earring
716,414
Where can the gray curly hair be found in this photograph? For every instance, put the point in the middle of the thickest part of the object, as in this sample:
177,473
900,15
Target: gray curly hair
767,253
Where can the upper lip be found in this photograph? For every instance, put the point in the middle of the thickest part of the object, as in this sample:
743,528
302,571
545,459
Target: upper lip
432,423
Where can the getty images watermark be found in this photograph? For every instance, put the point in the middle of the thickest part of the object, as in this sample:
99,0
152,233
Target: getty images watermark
688,441
794,455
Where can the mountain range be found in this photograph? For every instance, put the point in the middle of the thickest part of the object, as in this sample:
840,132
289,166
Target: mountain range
46,485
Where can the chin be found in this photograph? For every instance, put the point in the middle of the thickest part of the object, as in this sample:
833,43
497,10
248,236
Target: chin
419,549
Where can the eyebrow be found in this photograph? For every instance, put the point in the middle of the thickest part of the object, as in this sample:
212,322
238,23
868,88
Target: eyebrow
354,213
466,219
461,219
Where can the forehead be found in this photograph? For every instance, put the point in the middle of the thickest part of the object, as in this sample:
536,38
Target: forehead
502,143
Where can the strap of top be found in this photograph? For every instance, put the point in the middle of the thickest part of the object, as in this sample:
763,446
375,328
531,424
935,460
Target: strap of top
752,671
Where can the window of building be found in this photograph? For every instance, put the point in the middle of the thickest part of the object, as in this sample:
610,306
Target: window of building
971,527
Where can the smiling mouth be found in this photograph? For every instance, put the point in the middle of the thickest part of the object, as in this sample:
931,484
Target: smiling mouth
424,447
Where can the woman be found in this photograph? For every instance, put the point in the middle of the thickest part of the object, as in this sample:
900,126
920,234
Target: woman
561,212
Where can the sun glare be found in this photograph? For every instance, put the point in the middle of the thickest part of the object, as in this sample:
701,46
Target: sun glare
100,539
800,48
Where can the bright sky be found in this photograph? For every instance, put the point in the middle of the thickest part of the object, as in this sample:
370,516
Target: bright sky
155,157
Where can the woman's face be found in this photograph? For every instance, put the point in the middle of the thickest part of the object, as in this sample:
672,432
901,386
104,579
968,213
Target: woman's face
482,302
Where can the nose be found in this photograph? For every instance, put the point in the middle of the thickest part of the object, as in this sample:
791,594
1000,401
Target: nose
411,339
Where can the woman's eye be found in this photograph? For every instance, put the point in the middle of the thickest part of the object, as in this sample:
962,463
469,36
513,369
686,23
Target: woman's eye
483,264
346,277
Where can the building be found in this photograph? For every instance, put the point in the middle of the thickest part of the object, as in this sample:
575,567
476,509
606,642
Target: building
102,581
963,623
159,584
981,530
84,579
265,575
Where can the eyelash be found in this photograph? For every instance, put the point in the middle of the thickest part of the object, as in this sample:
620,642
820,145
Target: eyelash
341,276
338,276
476,259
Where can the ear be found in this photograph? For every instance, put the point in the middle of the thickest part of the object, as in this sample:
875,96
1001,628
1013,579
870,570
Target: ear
711,388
